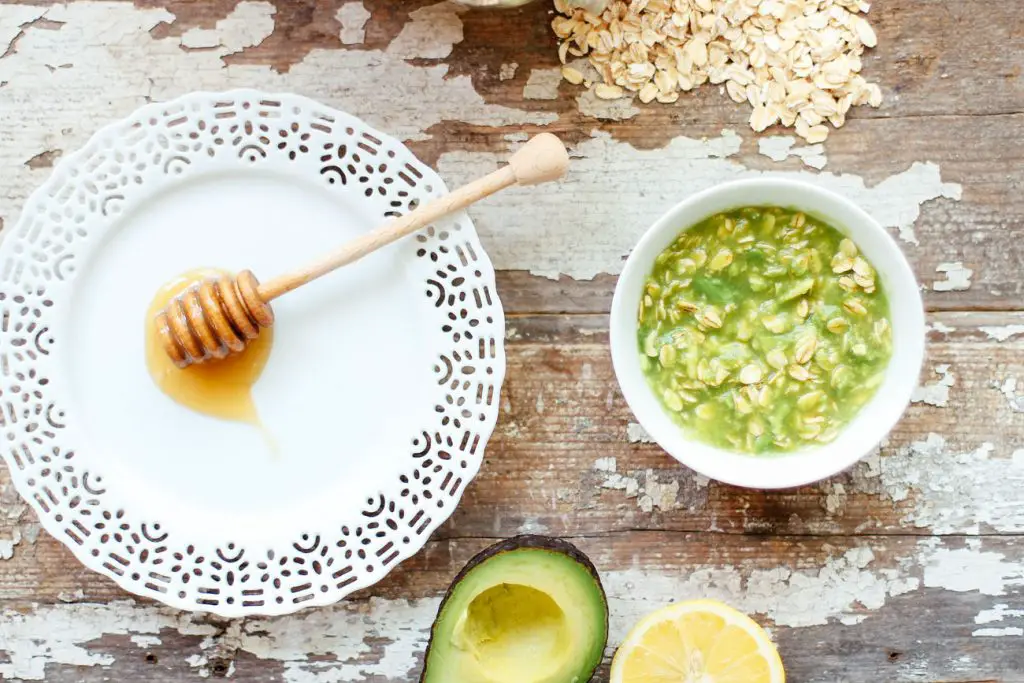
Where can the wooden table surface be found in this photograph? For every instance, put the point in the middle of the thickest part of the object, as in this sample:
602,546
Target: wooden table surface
910,567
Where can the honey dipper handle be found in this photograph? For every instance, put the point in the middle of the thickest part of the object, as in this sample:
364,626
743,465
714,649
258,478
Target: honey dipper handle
540,160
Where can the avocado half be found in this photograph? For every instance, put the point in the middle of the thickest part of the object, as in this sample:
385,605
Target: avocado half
527,610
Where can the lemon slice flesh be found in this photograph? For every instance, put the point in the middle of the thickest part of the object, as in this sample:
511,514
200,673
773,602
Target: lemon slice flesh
701,641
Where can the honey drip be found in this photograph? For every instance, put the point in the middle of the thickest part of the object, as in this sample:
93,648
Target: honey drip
221,388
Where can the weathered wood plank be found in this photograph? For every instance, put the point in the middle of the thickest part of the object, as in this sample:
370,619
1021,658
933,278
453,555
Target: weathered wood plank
922,62
881,545
565,459
981,231
977,232
841,608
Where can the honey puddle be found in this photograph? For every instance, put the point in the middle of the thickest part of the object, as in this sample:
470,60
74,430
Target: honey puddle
220,388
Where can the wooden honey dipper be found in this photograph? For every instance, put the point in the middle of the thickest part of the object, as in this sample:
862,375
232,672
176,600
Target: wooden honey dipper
220,316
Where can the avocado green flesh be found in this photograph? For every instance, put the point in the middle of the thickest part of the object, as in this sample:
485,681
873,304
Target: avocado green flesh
527,615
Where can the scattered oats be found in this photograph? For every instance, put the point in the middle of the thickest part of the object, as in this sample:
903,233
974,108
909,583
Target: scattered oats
816,134
796,62
865,33
608,92
648,93
572,75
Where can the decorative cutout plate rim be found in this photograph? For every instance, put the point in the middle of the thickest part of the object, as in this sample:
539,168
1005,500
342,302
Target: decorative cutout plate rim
169,143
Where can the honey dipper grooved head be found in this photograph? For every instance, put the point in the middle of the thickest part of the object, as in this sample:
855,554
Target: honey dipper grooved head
213,319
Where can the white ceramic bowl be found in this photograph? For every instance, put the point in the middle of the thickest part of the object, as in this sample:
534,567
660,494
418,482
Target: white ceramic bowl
870,425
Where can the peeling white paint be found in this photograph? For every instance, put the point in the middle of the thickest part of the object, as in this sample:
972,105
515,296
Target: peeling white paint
1015,399
103,84
635,433
781,147
776,147
956,492
652,493
969,569
1001,333
340,634
852,619
58,634
12,19
587,372
431,33
18,518
145,642
248,25
532,525
835,497
656,494
614,192
507,71
958,277
936,393
591,105
619,482
998,632
353,17
329,644
7,545
844,586
619,185
939,327
998,612
343,643
542,84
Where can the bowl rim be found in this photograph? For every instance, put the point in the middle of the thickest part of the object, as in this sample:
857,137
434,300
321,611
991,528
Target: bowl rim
808,465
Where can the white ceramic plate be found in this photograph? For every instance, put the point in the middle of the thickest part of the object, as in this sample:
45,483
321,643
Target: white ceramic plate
381,390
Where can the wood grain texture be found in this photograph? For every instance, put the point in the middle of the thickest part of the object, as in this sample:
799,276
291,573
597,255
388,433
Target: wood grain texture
909,567
982,231
924,634
563,417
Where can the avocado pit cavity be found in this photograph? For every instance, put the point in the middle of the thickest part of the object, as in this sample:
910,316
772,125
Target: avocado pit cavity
518,632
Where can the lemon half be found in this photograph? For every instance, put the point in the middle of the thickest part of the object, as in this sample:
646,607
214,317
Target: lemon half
701,641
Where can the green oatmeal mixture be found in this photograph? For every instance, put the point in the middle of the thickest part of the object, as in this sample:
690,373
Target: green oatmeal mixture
763,329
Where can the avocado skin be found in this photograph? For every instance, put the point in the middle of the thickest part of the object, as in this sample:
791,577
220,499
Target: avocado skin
518,543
